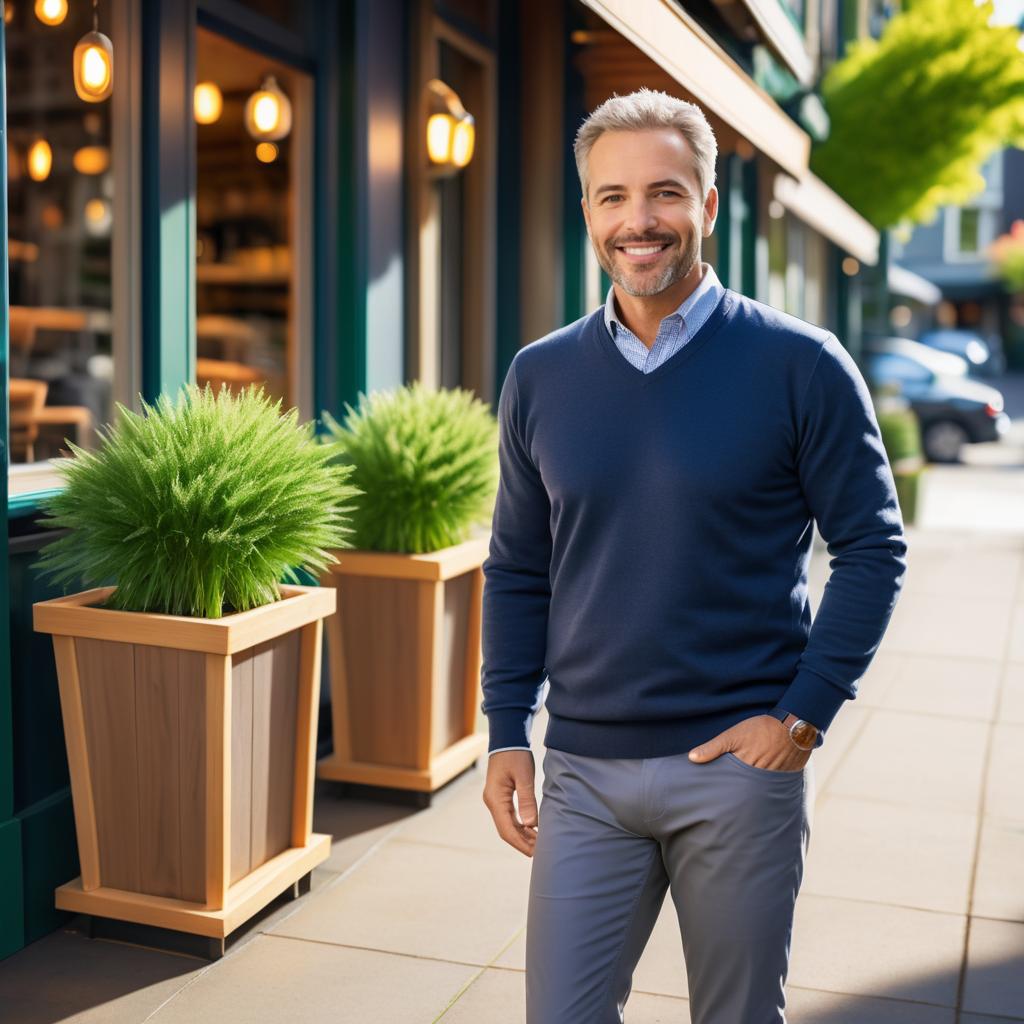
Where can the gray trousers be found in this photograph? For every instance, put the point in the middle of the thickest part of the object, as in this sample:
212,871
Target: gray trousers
729,841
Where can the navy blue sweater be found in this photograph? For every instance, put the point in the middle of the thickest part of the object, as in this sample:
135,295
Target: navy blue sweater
652,533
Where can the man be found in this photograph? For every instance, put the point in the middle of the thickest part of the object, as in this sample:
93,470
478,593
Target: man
663,461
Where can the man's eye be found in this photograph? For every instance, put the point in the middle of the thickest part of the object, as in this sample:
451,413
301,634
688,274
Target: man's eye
609,198
667,192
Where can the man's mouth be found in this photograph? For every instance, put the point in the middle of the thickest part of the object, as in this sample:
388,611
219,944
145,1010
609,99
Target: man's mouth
643,253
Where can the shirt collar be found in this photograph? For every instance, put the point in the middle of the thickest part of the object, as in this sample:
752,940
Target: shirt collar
709,282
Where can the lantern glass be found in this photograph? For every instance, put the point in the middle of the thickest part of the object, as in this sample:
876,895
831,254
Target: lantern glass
268,112
94,67
462,144
440,130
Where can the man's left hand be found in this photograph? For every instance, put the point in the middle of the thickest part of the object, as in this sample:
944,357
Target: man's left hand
761,741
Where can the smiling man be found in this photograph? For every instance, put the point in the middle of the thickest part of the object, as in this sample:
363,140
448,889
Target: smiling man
663,462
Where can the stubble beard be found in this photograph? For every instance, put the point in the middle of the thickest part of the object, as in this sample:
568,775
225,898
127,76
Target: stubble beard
644,283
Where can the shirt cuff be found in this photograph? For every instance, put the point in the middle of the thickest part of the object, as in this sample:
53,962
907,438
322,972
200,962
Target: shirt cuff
508,728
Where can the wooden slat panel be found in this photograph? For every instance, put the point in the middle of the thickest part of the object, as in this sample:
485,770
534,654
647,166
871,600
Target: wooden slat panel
241,764
106,672
381,667
450,686
218,779
472,694
429,634
192,773
156,718
275,706
78,760
308,707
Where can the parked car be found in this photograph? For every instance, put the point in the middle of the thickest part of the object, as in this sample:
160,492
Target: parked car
952,408
984,358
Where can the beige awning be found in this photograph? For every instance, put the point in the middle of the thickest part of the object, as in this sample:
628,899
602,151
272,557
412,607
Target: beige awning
769,19
820,208
674,41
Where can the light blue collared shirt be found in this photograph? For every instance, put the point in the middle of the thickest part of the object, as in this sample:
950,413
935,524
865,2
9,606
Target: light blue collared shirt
674,331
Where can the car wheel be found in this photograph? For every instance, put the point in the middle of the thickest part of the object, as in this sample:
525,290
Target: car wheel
943,440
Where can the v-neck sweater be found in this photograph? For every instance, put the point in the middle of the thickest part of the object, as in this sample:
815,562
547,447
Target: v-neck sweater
651,536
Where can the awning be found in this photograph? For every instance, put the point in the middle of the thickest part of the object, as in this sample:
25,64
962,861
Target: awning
674,41
775,27
819,207
909,285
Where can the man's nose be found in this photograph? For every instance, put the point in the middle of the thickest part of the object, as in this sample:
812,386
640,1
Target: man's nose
640,217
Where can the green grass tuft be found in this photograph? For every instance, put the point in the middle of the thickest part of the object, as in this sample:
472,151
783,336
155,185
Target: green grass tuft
199,506
426,462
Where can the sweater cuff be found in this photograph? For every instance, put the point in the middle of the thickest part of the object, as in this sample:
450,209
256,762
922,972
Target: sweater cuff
813,698
508,728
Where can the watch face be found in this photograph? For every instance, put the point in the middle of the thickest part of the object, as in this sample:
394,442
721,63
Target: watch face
804,734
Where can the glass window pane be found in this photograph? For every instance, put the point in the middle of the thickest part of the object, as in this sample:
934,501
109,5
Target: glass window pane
968,230
247,304
60,222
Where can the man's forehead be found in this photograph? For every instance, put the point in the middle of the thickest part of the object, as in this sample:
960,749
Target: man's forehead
613,158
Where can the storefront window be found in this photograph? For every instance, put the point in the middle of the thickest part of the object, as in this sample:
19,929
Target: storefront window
253,236
61,206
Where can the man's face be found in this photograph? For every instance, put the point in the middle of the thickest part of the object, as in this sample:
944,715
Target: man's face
644,212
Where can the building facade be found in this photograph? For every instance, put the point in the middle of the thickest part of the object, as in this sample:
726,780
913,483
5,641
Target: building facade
255,202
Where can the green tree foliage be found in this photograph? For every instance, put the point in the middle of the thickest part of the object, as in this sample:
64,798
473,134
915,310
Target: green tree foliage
199,506
426,462
915,113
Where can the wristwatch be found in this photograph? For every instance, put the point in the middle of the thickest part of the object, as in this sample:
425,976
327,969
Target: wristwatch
803,734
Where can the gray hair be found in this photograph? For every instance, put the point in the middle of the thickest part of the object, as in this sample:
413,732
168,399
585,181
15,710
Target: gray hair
646,110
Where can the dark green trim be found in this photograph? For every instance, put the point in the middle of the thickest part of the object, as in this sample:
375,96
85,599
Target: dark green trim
330,141
574,229
6,739
509,220
28,504
12,906
168,197
344,354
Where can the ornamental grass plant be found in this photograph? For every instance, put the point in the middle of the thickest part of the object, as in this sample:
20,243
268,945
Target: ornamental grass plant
425,461
199,506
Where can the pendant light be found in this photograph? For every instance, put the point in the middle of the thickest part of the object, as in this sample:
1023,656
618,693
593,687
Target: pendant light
40,160
268,112
94,63
51,12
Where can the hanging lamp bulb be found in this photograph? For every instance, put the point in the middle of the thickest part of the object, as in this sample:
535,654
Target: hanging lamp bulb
268,112
40,160
94,63
51,12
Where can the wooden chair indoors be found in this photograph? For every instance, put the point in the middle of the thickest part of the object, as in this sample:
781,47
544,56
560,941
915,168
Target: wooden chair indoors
29,412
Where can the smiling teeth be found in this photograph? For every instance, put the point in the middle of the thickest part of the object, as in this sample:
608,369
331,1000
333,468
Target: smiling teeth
645,251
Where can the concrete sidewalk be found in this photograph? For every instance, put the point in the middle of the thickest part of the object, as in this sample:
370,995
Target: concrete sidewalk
911,912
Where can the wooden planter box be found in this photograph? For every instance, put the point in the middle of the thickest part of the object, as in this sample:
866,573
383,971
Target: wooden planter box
192,746
404,650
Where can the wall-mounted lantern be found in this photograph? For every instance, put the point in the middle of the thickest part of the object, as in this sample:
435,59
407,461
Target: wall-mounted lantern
268,112
451,131
94,64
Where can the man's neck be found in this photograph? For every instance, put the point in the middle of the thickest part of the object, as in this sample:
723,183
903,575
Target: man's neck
643,314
